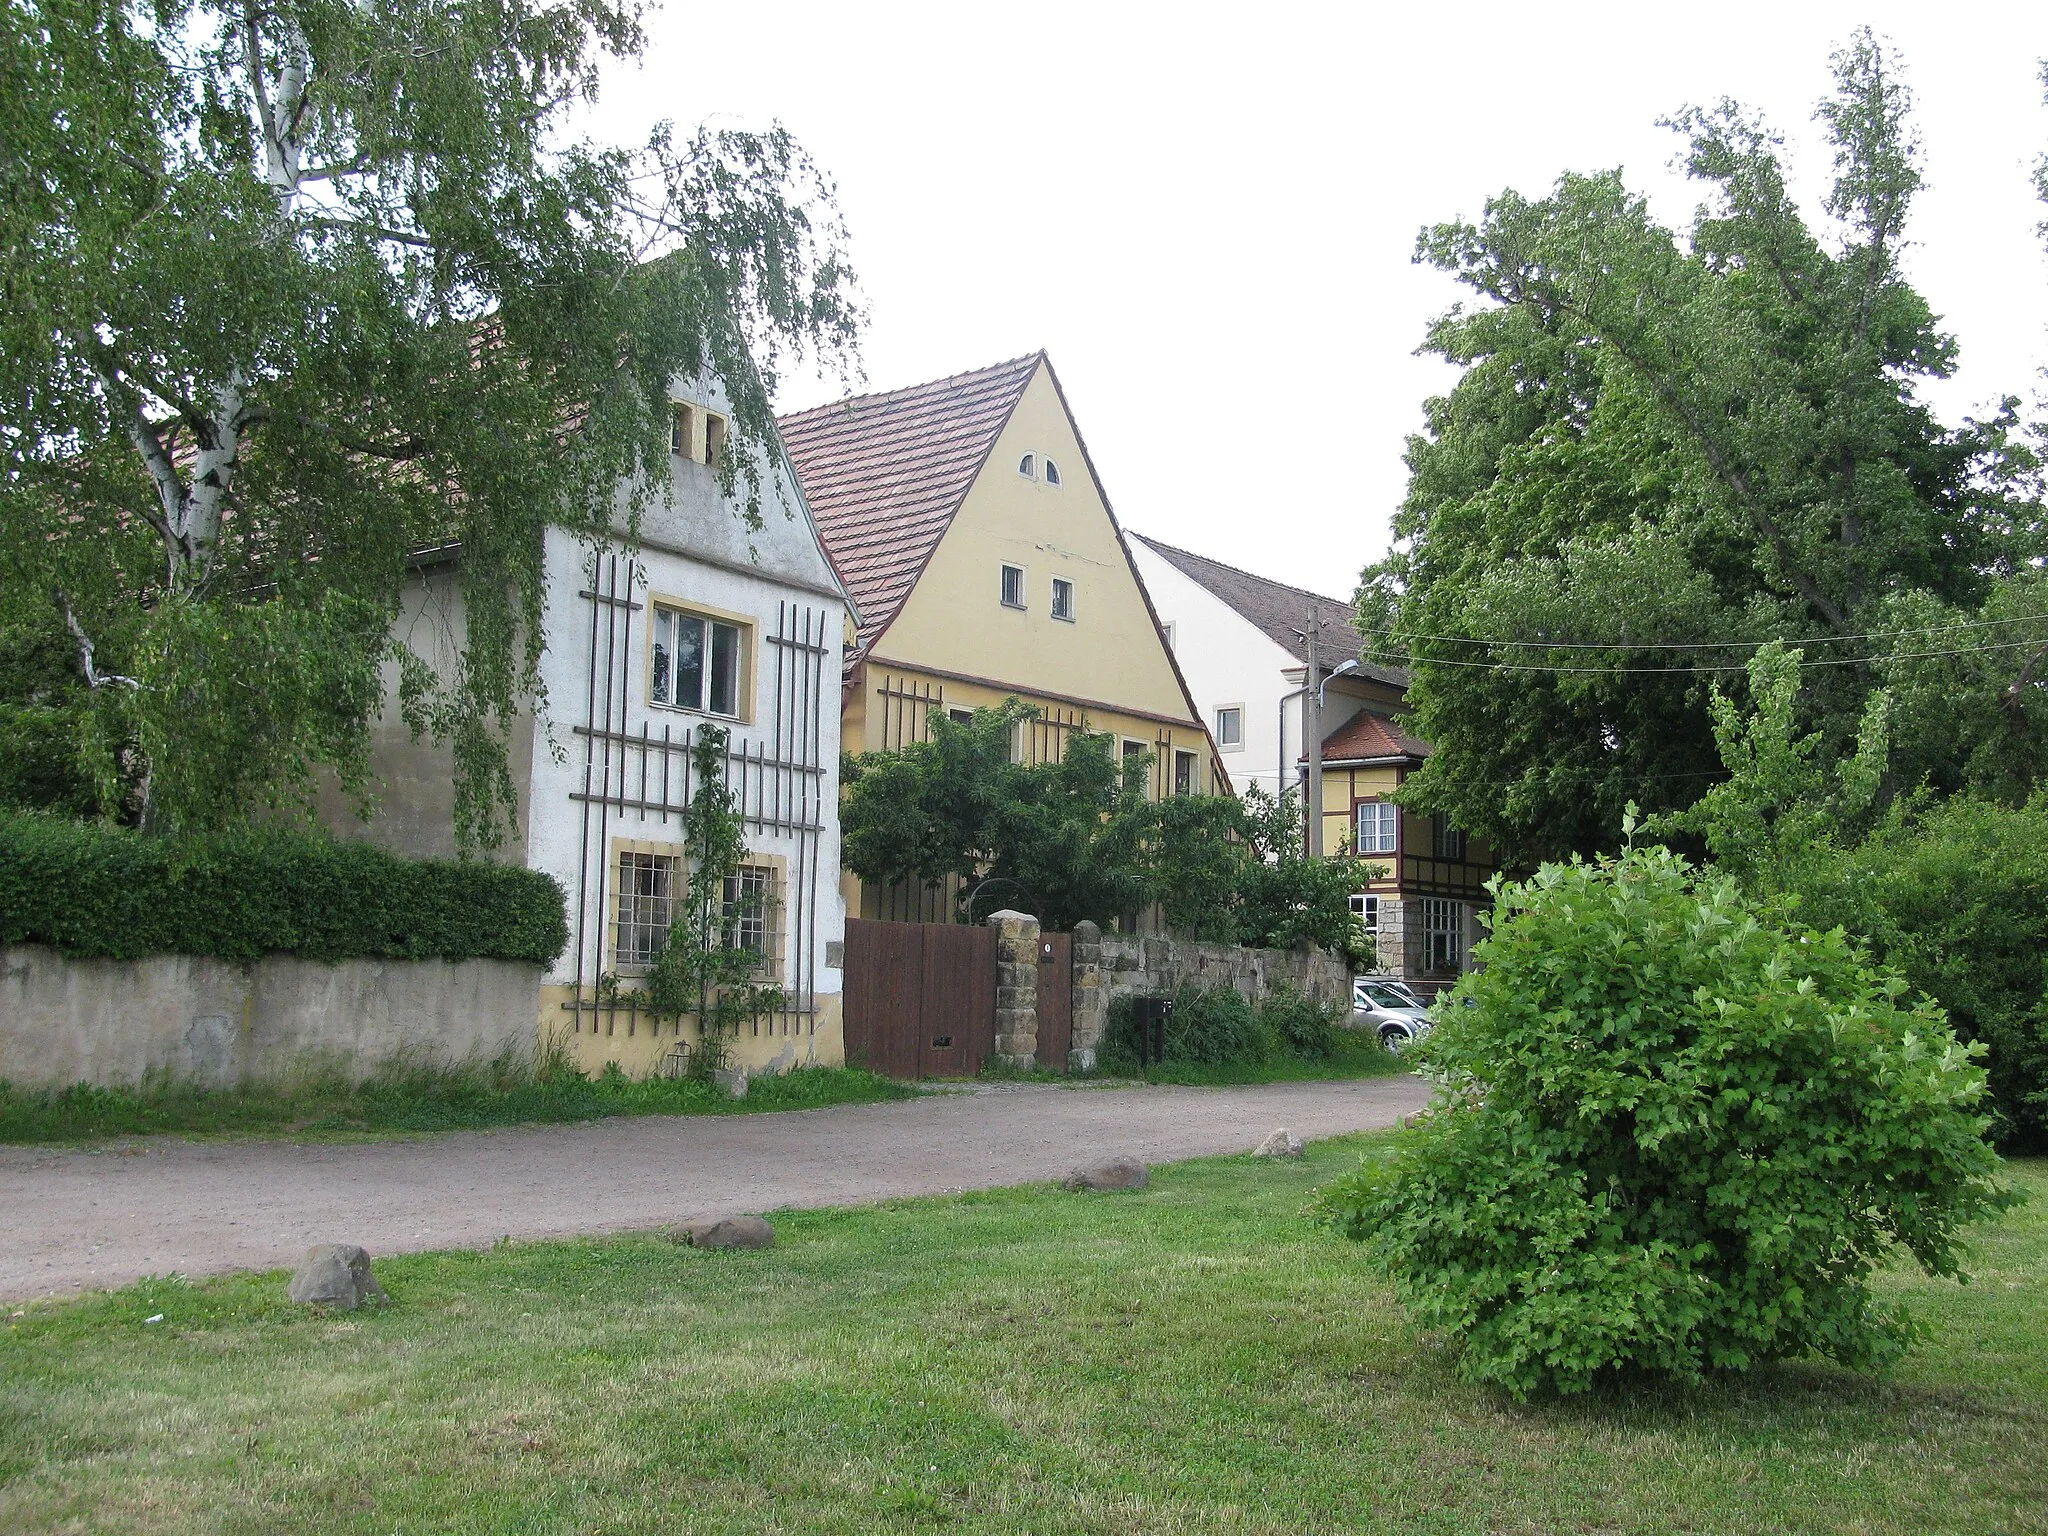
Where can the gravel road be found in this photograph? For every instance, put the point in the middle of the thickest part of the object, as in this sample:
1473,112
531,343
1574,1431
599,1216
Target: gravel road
86,1220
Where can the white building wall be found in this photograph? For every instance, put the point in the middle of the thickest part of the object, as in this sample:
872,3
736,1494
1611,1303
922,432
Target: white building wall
1227,660
695,549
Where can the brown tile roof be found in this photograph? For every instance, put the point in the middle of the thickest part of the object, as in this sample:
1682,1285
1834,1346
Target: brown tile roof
1366,735
1275,609
885,473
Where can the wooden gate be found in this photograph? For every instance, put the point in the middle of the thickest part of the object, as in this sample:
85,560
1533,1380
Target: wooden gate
1055,999
920,998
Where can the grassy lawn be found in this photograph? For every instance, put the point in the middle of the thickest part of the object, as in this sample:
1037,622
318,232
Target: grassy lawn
1193,1357
409,1100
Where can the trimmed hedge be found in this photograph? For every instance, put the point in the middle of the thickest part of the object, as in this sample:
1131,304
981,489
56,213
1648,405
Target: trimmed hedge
89,889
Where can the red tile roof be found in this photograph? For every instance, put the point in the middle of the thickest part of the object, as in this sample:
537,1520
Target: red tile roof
1367,735
885,473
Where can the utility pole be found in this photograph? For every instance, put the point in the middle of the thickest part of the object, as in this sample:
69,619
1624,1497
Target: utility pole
1312,744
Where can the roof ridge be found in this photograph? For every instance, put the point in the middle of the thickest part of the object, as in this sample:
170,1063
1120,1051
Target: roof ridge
904,389
1237,570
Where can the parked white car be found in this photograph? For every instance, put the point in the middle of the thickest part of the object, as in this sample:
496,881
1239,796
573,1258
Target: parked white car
1384,1005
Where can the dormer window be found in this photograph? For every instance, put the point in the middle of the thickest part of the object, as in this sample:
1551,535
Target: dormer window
1052,473
1028,466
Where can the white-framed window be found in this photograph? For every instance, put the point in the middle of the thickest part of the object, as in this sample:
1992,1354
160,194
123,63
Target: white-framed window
1063,599
1028,466
1366,906
1013,585
1172,629
961,716
1183,773
699,662
1443,934
1445,840
1052,473
1376,820
1230,726
648,883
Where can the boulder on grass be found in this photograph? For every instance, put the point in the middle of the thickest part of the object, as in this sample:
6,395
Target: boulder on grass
335,1275
727,1232
1282,1143
1119,1172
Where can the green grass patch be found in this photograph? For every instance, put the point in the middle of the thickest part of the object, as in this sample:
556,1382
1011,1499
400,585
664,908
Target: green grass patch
410,1098
1194,1357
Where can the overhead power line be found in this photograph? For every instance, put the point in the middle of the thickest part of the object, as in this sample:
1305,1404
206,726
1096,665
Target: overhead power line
1828,661
1725,645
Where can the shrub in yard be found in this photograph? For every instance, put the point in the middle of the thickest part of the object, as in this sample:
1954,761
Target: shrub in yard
1209,1026
1300,1025
1672,1134
1954,895
91,889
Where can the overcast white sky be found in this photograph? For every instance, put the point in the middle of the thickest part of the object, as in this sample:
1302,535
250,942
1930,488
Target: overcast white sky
1206,214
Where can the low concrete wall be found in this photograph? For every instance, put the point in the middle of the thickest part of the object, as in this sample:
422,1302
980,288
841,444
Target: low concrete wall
1113,965
217,1022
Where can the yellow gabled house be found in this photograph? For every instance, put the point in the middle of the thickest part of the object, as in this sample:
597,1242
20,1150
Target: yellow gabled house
967,523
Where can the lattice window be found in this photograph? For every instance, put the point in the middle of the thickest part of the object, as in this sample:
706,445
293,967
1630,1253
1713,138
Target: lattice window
752,914
648,885
1367,907
1443,934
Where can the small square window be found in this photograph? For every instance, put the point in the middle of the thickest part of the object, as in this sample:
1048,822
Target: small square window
1013,586
961,716
1230,726
1063,599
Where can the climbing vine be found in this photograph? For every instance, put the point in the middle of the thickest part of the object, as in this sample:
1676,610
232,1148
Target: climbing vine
705,968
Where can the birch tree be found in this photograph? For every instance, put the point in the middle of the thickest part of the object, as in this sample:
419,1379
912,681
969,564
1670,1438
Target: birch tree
294,289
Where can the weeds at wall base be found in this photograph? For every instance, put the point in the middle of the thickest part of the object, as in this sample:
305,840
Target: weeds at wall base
408,1095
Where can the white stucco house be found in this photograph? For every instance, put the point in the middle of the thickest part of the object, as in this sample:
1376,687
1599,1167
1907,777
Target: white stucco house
698,620
1240,641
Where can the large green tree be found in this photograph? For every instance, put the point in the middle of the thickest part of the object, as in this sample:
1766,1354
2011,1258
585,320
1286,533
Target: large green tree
290,289
1664,452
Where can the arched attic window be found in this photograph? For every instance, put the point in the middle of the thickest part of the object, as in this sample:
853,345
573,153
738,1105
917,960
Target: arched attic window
1028,466
1052,473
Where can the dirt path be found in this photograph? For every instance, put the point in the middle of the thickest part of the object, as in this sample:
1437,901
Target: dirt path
85,1220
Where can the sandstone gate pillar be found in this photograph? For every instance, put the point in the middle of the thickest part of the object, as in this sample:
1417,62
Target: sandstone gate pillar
1016,988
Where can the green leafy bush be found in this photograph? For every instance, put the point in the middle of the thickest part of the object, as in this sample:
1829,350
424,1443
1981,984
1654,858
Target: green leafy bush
1673,1135
1301,1025
1215,1026
91,889
1954,895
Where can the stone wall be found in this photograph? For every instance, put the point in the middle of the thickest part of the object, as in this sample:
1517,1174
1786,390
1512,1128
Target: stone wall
1112,965
219,1022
